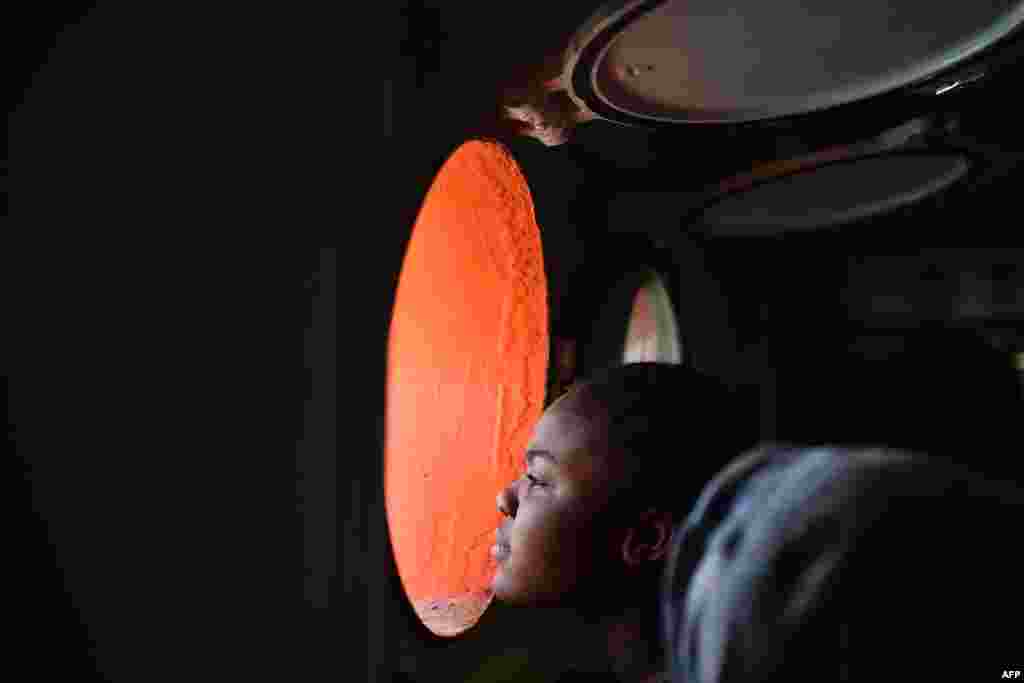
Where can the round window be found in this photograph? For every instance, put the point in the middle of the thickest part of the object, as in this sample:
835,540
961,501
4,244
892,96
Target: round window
652,334
467,364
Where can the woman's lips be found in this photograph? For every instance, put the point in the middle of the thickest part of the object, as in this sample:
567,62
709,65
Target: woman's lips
500,551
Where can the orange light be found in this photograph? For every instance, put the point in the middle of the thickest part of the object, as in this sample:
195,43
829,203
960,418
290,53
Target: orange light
467,364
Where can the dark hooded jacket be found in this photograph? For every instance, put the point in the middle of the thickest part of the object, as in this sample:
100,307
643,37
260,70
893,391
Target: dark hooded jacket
835,565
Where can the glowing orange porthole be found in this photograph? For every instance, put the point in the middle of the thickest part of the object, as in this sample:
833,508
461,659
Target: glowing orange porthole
467,364
652,334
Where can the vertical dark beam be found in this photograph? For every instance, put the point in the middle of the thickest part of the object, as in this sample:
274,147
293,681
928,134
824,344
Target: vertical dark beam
704,314
317,451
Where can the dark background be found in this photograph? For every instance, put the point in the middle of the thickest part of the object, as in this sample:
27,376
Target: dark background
170,348
199,497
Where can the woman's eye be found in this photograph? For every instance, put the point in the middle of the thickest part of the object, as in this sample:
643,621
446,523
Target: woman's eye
534,481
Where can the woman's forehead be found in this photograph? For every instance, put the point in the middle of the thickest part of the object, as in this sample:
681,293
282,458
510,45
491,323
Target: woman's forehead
570,424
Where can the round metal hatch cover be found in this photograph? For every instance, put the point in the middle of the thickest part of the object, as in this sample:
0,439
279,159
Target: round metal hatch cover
704,61
833,194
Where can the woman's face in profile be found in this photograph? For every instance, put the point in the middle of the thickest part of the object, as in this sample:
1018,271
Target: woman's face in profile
549,546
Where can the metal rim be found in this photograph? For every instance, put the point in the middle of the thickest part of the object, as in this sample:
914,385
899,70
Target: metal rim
592,41
936,187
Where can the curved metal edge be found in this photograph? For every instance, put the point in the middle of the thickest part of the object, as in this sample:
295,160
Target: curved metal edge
967,166
596,35
608,17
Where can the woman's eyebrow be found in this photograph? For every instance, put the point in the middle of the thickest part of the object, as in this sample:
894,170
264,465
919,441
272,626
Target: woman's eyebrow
532,454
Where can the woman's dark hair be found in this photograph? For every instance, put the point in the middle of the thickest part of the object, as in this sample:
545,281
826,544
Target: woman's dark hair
675,426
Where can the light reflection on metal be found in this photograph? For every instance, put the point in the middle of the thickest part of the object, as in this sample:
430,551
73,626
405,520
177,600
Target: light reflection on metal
956,84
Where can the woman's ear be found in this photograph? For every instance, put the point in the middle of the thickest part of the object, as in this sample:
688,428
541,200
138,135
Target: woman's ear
648,538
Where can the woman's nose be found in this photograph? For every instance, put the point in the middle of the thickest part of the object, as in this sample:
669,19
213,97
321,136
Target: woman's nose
506,502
